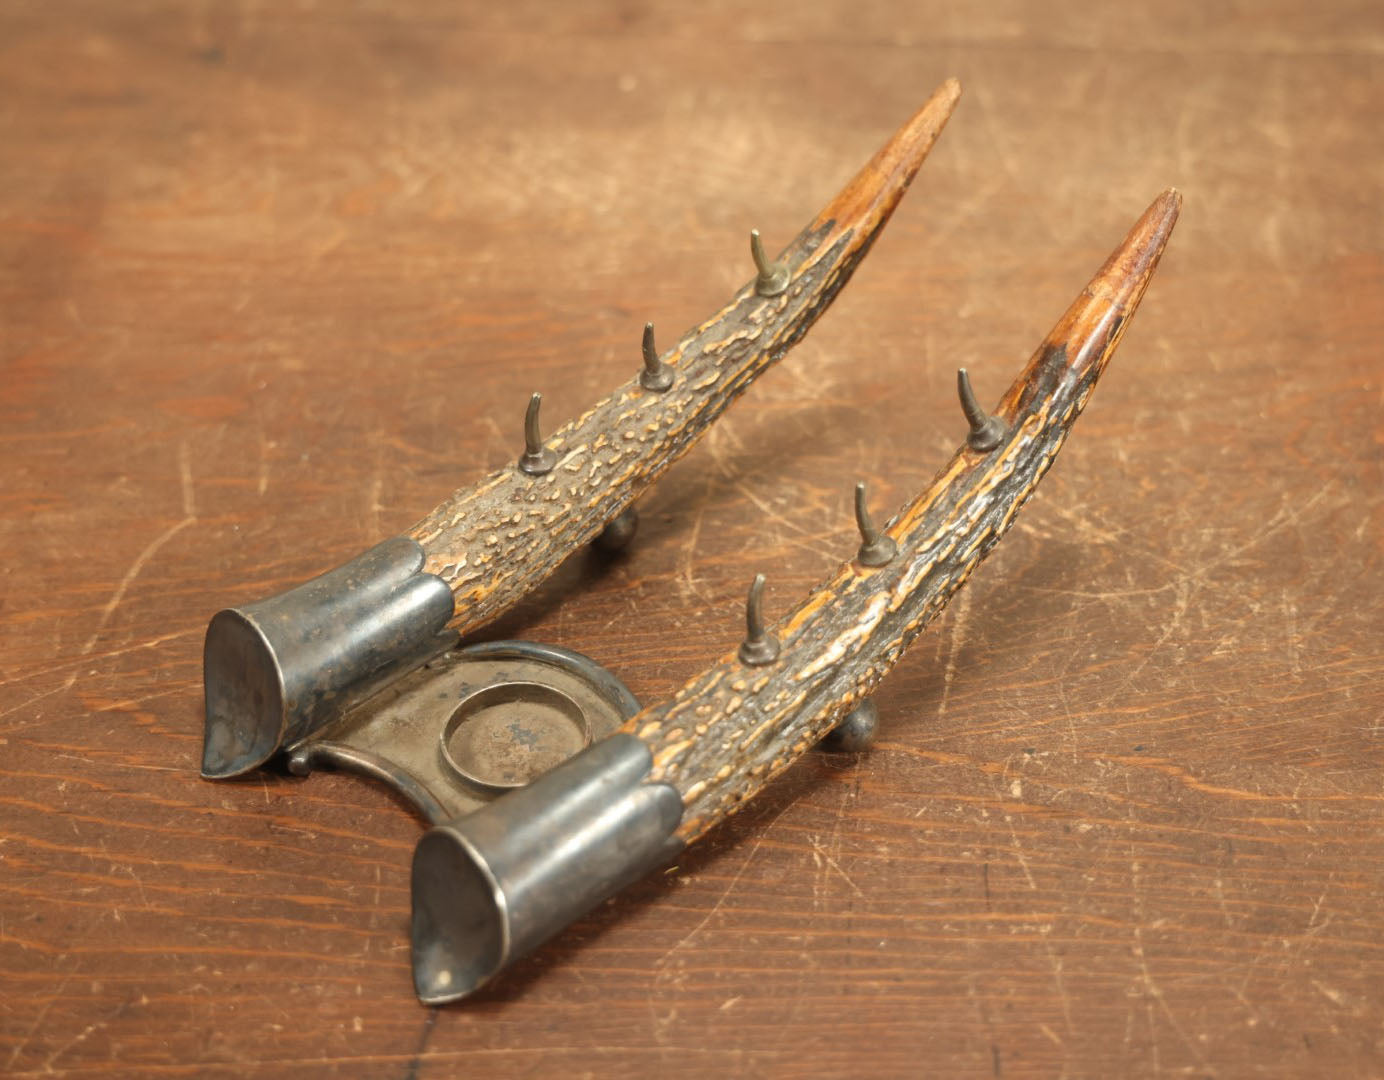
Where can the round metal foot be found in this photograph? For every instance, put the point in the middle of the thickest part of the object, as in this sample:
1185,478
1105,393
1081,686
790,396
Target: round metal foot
619,531
855,732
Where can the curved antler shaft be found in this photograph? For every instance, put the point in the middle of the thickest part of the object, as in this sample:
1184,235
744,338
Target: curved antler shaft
733,728
277,670
496,541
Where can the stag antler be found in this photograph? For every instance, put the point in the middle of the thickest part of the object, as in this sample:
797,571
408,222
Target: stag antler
726,733
278,670
492,885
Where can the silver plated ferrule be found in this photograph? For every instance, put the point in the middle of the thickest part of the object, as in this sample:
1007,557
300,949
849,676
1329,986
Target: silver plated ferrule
276,670
493,885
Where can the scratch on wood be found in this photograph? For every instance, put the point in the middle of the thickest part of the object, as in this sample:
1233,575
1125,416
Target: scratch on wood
152,549
416,1062
958,638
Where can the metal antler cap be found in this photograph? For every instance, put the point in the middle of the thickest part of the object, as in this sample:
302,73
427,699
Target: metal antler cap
656,374
759,647
986,431
773,276
876,549
537,459
277,670
495,884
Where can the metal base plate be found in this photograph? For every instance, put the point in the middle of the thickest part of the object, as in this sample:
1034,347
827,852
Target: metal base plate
473,723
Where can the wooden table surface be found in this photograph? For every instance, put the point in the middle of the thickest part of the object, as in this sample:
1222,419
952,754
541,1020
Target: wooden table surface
274,278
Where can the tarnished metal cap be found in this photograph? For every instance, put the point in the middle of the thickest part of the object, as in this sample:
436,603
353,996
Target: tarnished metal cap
493,885
278,669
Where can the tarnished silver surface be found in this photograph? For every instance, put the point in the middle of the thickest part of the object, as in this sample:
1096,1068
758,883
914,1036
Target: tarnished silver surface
771,277
856,732
472,724
987,431
278,669
494,885
759,647
876,549
537,459
657,375
619,531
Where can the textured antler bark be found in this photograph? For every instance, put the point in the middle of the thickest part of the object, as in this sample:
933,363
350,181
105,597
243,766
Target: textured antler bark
494,542
731,729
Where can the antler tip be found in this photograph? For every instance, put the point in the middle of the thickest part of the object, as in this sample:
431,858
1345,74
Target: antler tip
1151,231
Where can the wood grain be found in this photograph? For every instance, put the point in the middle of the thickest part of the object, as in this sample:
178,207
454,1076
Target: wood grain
1125,818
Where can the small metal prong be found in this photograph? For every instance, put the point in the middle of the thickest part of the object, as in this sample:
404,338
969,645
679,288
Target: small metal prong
876,549
773,276
656,374
537,459
759,647
987,431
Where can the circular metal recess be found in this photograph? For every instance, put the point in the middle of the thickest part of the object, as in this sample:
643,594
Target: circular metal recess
474,723
506,734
